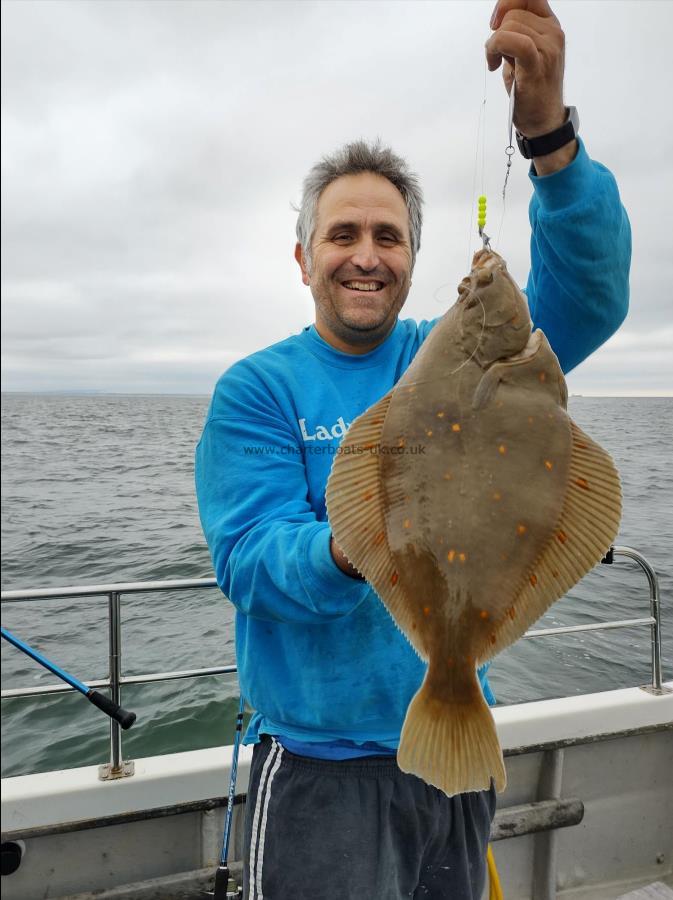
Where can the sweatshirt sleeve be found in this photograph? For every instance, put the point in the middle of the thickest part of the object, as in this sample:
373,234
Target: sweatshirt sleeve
269,550
578,286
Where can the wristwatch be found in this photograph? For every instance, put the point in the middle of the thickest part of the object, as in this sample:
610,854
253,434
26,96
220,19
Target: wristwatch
547,143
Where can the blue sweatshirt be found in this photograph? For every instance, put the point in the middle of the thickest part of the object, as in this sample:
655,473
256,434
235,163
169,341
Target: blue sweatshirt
320,659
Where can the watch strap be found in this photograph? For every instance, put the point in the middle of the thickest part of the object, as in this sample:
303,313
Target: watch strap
547,143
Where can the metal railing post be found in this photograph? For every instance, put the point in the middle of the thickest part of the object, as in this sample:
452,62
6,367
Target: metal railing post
115,632
116,768
655,611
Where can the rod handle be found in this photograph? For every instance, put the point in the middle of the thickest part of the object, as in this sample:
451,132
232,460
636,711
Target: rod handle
123,716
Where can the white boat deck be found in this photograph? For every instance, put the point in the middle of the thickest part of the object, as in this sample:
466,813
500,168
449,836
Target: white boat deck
611,752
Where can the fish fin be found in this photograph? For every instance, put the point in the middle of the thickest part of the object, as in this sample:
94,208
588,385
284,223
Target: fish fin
588,525
485,390
355,505
453,746
489,381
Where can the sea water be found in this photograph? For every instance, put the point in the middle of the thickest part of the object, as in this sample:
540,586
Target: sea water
100,488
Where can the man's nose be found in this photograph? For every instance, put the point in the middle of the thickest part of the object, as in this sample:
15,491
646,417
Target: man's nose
365,255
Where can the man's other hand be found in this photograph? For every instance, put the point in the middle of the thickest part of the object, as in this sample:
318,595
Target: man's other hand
341,560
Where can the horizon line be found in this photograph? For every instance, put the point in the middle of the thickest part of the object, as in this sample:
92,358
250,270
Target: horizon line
92,392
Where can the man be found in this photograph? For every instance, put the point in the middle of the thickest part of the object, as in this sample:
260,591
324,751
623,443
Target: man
329,814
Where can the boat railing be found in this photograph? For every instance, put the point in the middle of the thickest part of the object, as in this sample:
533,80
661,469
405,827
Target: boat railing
118,768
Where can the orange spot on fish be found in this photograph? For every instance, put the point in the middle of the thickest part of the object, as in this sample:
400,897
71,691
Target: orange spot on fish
429,433
533,580
401,442
542,376
394,578
548,464
413,625
483,614
555,573
497,496
503,557
583,483
462,557
562,536
511,613
412,389
440,415
407,523
455,427
530,420
426,610
493,639
581,445
379,538
448,476
367,495
369,445
451,555
521,529
502,449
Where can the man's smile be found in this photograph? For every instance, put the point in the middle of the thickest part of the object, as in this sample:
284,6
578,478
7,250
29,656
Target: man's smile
360,286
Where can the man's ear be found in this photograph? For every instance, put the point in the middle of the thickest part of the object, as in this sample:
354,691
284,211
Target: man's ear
301,259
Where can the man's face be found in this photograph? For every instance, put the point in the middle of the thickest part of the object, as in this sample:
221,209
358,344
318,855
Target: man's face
361,261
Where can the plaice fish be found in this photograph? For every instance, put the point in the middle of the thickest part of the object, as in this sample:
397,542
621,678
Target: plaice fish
470,501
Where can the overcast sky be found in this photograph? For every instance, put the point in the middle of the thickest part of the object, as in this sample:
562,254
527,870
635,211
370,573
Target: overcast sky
151,152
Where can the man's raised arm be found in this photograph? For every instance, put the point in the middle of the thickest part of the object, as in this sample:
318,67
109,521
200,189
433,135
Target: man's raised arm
578,288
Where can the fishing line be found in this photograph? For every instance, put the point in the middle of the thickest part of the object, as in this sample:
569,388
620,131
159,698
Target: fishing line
465,361
479,168
481,334
509,153
480,145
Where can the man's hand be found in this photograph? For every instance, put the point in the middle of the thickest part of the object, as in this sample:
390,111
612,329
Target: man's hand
529,38
341,560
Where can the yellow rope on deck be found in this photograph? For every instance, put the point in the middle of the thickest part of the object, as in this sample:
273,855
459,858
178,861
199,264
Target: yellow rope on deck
494,889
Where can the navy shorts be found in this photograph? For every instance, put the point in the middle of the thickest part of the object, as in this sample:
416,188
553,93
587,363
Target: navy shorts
359,829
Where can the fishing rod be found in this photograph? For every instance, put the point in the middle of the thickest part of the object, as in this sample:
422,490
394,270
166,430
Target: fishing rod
114,710
225,886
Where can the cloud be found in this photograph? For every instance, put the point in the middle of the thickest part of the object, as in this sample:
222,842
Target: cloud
152,150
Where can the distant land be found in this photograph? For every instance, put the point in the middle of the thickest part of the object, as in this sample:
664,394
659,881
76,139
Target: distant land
92,392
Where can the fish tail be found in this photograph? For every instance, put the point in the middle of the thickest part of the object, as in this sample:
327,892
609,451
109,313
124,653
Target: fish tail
452,745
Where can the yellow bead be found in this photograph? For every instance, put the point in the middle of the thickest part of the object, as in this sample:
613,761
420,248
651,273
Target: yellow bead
482,199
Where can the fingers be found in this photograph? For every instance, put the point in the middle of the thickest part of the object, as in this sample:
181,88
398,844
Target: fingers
535,7
539,25
545,34
512,45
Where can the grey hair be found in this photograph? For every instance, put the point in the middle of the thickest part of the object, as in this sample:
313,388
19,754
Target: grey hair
352,159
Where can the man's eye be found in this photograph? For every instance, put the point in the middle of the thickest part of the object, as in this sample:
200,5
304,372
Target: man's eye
342,237
388,237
